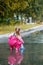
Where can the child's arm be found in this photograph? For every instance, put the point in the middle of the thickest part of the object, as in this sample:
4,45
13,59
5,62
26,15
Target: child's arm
20,38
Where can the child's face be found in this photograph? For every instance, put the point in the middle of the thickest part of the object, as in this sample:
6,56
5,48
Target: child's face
17,30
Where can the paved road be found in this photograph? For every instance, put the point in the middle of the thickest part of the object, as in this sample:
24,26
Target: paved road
4,37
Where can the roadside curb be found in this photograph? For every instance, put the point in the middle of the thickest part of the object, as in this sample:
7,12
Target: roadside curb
24,32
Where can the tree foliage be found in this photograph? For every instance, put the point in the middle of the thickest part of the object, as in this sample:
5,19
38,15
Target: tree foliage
32,8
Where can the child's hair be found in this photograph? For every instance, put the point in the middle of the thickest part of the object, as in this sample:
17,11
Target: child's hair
17,30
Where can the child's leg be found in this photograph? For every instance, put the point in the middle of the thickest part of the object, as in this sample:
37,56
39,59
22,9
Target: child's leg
16,49
11,50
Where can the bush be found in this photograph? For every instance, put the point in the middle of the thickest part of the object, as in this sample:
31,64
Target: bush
38,22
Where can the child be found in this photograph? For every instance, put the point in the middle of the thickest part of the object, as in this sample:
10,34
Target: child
15,41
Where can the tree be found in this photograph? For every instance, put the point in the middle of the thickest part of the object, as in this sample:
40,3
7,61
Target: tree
33,8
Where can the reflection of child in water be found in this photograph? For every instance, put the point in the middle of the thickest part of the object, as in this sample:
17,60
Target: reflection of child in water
15,40
15,59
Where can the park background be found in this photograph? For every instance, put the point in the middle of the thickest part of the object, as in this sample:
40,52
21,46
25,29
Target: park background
26,14
19,12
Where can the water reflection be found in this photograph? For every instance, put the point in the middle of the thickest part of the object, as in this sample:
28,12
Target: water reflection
15,58
36,37
33,54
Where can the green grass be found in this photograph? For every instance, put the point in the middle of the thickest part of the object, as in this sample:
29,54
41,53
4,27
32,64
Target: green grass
10,28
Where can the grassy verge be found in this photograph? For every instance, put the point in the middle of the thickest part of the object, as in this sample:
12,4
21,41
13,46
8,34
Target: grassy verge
10,28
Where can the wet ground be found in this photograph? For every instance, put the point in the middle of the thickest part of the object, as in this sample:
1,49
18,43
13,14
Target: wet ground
33,53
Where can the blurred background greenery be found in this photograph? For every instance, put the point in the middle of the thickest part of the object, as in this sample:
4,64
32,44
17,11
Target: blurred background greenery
13,11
